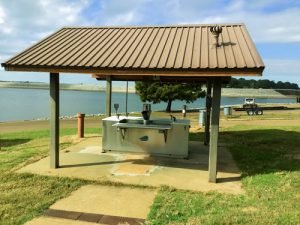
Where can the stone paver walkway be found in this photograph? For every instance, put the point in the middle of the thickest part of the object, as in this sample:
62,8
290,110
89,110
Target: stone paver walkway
100,204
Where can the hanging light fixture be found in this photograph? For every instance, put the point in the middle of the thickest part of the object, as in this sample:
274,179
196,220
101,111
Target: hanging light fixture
216,31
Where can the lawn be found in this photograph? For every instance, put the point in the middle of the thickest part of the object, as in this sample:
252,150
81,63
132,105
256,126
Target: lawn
270,163
24,196
268,157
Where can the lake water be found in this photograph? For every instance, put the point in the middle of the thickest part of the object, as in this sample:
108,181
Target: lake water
28,104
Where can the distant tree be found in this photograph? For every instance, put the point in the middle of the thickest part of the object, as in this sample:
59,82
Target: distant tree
243,83
264,83
157,92
251,83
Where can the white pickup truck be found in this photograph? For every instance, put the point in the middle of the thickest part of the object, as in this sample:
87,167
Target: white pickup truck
251,107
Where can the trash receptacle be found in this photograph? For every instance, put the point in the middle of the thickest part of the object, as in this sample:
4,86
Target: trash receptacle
202,117
227,111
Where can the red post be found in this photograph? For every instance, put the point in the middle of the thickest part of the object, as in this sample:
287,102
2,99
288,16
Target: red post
80,125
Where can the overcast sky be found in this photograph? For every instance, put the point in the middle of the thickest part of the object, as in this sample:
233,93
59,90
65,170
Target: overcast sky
273,24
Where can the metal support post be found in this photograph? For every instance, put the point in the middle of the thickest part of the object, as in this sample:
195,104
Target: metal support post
54,120
108,96
215,116
208,112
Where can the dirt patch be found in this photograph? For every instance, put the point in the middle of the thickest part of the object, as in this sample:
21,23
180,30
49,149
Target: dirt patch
9,127
135,165
267,122
249,209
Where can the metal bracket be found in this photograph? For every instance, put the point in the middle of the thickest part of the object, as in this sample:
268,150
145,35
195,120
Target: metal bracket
122,132
165,132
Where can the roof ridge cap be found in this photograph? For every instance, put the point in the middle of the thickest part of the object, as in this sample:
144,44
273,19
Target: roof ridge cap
153,26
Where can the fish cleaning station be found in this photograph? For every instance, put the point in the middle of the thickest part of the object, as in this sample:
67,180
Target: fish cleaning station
206,54
159,136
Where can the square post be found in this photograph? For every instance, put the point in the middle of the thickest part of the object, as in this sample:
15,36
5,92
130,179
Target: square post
54,120
215,117
108,96
208,111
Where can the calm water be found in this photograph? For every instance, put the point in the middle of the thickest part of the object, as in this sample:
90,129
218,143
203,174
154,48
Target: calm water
27,104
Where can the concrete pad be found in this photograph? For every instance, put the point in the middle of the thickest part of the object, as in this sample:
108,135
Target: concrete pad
85,160
109,200
44,220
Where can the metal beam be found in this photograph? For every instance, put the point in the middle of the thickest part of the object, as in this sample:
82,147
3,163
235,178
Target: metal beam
126,102
108,96
208,112
54,120
215,117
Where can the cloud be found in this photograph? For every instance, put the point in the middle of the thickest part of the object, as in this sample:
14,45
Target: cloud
282,70
266,23
2,16
274,27
24,22
115,12
281,67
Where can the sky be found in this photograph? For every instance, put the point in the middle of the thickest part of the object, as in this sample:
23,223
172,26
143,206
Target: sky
274,25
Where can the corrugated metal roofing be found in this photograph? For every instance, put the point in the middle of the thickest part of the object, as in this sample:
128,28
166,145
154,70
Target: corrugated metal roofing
158,48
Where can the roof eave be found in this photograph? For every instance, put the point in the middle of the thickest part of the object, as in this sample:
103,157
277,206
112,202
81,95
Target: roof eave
257,71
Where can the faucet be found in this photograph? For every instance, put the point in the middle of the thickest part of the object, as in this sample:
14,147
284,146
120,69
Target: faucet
173,118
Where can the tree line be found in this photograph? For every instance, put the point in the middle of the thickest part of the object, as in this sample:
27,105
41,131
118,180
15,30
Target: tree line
264,83
156,92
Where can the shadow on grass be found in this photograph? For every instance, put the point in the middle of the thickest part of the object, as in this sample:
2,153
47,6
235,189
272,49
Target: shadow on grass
264,150
13,142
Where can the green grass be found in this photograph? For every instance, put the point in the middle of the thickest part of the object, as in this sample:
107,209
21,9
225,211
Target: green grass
25,196
267,156
269,161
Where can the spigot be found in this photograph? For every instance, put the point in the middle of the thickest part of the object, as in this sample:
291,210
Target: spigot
173,118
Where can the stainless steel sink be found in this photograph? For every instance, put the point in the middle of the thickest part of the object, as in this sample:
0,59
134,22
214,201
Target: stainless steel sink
157,137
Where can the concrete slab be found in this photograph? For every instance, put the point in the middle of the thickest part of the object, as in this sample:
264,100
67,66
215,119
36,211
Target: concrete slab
44,220
109,200
95,204
85,160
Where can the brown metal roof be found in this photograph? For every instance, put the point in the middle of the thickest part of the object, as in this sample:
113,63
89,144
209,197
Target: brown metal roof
188,50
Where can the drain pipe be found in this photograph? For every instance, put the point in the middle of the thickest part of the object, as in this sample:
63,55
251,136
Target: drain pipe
80,125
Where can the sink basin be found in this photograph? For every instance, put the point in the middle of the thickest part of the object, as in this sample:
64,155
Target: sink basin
150,122
131,121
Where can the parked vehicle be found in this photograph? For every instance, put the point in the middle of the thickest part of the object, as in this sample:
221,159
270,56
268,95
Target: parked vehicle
249,103
251,107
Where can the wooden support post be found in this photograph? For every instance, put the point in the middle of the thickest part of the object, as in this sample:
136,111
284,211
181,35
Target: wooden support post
54,120
108,96
208,111
213,145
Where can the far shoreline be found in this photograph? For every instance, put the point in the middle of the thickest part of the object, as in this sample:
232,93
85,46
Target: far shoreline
226,92
63,86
